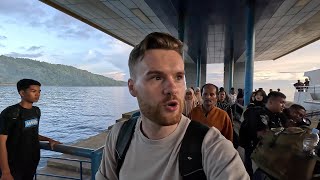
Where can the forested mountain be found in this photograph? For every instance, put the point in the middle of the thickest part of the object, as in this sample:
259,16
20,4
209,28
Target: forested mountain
14,69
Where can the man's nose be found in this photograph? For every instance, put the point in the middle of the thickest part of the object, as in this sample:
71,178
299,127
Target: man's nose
170,86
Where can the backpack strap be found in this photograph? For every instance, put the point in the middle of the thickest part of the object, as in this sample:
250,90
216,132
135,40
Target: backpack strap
38,112
190,156
123,142
15,111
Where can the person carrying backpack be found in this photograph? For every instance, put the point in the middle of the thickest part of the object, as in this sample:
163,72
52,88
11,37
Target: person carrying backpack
19,134
157,142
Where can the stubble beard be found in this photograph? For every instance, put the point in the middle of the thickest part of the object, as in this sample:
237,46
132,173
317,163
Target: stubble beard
155,112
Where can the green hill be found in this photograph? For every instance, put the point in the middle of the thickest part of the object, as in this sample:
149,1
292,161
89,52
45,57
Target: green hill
14,69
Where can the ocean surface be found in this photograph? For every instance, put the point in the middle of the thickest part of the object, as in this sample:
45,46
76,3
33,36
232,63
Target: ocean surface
71,114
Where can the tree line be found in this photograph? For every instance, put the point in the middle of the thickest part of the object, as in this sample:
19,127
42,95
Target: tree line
14,69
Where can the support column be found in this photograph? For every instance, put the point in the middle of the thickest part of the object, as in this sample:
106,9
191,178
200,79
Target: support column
203,73
250,48
181,25
181,29
228,74
198,71
239,73
231,72
191,74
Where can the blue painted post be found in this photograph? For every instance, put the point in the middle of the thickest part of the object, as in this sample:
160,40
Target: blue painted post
198,71
96,157
250,48
231,72
181,25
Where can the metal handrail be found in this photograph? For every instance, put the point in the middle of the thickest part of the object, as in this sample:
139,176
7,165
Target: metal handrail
63,177
94,155
307,88
313,113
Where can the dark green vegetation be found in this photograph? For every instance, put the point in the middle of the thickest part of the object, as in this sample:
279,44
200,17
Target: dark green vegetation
14,69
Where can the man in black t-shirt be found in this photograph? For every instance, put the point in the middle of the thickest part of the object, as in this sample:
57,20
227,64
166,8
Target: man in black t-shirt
19,134
262,119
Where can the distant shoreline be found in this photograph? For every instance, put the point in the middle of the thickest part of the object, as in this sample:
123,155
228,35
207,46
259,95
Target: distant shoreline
7,84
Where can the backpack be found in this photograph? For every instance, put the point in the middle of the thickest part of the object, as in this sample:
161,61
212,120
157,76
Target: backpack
247,131
190,156
279,153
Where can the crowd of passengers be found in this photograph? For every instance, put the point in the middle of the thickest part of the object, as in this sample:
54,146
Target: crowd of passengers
216,108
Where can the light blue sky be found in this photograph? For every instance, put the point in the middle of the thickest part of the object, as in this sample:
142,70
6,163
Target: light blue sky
31,29
35,30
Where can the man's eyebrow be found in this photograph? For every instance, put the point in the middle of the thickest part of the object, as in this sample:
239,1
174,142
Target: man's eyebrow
181,73
160,72
154,72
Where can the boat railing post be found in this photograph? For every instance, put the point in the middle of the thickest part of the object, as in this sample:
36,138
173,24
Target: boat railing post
96,157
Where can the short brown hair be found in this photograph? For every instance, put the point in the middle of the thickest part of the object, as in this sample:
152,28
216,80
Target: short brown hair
155,40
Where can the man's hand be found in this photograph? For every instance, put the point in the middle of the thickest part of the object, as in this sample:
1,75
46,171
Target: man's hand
6,176
53,143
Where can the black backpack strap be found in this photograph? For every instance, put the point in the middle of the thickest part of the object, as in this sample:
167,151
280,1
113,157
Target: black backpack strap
123,142
190,156
38,112
15,111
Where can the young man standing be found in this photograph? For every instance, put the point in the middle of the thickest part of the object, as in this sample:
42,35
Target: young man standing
157,81
19,134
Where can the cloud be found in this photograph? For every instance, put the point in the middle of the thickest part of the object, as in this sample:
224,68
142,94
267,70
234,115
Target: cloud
37,14
3,38
1,45
14,54
113,58
26,10
120,76
66,26
34,48
118,54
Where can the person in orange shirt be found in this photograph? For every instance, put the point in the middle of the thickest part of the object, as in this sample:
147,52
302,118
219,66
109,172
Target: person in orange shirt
211,115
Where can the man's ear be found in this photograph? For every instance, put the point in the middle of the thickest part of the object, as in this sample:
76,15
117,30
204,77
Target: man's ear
21,93
131,87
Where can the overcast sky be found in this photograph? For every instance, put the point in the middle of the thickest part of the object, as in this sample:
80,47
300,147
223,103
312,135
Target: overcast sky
31,29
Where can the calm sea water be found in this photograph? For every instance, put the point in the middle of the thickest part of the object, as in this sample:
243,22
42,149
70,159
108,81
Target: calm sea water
70,114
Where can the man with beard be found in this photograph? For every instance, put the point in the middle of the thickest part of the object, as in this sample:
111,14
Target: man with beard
157,81
211,115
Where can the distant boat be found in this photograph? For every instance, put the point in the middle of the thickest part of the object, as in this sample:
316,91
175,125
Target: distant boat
309,96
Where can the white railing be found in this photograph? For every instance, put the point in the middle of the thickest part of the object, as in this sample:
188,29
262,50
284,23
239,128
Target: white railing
311,89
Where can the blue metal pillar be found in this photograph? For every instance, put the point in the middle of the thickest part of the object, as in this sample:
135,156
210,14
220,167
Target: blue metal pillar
198,70
250,48
231,72
96,157
181,25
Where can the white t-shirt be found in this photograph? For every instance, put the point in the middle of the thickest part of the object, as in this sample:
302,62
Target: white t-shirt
158,159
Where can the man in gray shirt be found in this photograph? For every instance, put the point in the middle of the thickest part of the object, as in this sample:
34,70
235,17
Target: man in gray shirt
157,81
